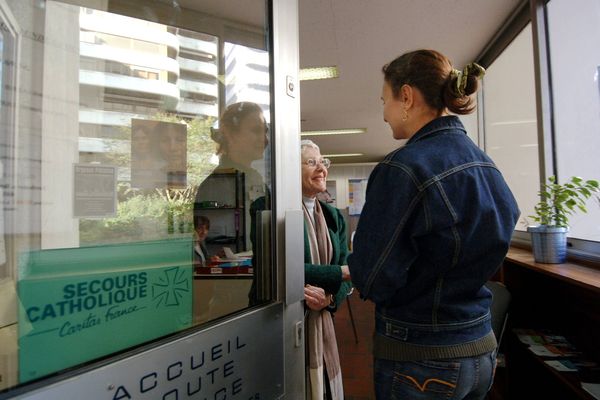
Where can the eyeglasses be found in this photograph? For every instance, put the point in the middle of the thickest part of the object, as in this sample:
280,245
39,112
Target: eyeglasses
312,162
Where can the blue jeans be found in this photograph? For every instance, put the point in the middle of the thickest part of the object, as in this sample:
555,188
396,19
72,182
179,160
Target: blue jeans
460,378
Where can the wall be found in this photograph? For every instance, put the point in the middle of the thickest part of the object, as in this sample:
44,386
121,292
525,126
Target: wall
341,173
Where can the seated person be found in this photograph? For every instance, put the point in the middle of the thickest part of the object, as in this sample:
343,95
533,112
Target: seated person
200,252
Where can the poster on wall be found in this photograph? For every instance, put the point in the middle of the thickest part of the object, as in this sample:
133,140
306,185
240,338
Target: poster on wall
357,191
94,191
80,304
158,154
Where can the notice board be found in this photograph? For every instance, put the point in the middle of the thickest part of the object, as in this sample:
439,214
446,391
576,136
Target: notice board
357,191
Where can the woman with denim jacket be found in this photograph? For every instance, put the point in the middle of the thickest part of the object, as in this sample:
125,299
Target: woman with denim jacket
435,227
325,276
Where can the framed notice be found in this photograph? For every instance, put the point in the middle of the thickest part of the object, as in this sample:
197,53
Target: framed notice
158,154
357,191
94,191
83,303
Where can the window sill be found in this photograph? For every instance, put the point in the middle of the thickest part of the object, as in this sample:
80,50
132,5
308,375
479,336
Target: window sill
576,274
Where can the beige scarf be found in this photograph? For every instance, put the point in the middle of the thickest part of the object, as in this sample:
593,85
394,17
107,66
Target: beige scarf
322,345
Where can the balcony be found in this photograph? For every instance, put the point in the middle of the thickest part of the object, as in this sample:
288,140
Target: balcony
197,109
199,46
128,57
207,89
168,91
127,27
207,68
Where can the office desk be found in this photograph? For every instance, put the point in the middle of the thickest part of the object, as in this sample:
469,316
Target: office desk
219,293
564,298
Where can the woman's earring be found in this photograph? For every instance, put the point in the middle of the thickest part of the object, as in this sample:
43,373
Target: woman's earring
405,116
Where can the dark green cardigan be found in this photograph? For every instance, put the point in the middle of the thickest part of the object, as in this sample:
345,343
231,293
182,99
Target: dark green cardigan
329,277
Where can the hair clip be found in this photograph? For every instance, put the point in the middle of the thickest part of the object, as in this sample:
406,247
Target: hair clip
473,69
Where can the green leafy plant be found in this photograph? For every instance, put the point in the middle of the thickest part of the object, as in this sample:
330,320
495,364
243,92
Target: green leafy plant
559,201
150,214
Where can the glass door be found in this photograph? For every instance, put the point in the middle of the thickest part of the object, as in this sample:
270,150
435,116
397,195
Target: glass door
138,184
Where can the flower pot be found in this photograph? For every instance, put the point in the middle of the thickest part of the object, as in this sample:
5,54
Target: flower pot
549,243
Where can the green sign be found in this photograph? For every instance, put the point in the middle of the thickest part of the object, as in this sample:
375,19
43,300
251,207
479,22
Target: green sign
84,303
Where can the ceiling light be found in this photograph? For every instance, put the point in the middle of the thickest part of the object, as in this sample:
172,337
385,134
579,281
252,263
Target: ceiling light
334,132
309,74
342,155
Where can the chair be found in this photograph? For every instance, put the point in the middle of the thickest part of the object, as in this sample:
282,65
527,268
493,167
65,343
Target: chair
499,308
352,315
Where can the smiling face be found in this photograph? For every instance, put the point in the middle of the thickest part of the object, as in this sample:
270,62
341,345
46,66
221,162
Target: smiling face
313,178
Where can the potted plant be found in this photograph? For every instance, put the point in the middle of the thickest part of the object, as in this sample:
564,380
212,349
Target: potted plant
557,203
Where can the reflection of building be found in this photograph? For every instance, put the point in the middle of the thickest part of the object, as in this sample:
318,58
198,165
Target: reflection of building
249,72
130,68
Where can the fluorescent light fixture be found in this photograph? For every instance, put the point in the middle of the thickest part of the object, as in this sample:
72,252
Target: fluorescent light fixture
334,132
342,155
310,74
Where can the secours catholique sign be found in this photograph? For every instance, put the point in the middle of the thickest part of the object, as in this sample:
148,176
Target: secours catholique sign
83,303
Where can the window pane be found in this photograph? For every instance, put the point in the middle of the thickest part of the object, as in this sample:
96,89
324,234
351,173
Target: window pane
574,40
510,121
127,205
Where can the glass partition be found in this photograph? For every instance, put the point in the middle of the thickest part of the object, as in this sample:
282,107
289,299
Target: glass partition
510,122
135,175
573,39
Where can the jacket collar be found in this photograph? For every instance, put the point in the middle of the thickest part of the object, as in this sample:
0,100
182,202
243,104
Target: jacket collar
448,122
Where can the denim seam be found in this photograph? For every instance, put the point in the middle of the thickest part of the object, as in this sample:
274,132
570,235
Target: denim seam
476,372
455,219
436,178
446,201
434,345
448,326
436,302
456,169
427,214
389,246
448,127
406,170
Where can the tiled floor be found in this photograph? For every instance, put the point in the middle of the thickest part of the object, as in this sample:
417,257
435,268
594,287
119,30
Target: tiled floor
356,358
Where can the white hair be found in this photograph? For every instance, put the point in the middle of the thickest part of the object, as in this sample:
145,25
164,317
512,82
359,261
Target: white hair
305,143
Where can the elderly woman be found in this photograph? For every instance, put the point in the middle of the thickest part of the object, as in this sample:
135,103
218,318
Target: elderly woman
326,276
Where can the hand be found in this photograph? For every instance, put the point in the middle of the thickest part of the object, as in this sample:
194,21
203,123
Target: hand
345,273
214,258
315,298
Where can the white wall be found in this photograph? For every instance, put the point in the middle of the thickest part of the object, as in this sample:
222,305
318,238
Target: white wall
341,173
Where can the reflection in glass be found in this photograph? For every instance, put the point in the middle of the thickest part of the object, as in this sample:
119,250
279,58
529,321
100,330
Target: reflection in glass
573,32
158,154
121,109
511,123
241,139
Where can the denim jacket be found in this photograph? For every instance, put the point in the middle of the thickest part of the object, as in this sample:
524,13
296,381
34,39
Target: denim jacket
436,225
